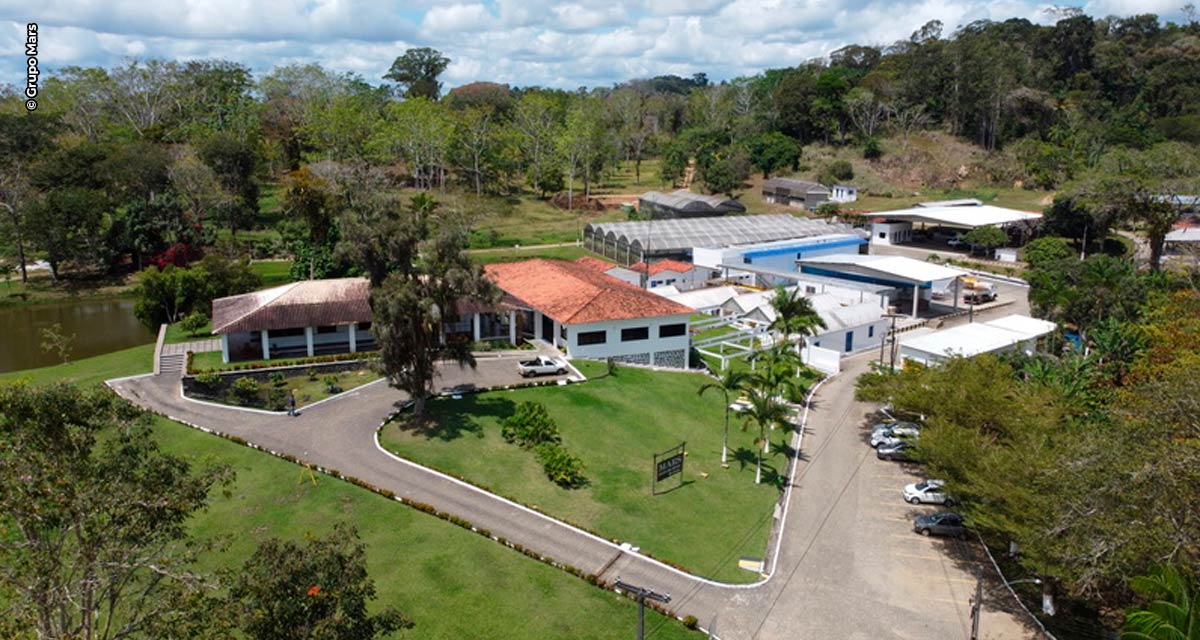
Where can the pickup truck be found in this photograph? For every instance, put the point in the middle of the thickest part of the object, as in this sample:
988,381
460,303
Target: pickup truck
980,295
540,366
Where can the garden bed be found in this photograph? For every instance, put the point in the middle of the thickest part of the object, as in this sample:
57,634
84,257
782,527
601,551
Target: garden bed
270,390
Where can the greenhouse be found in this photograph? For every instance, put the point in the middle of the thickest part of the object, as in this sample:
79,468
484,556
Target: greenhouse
685,204
630,242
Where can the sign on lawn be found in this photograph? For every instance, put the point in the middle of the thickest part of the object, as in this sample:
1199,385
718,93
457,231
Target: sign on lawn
667,464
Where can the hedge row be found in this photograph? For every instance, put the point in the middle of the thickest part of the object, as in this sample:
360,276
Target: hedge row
280,364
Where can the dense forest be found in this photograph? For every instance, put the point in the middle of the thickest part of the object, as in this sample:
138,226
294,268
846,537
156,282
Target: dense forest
154,162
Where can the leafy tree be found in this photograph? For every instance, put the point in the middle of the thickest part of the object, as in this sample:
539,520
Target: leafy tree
234,161
419,131
986,238
69,225
766,411
537,121
417,72
310,199
56,341
193,323
319,589
1172,611
794,315
416,259
725,172
169,294
1042,252
97,517
1084,293
731,381
772,151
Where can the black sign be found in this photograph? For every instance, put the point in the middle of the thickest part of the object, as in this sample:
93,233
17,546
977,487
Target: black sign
669,467
667,464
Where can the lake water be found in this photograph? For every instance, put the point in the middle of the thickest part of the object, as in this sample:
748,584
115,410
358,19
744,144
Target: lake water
99,326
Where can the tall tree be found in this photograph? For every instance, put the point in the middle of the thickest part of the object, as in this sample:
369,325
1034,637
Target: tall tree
420,272
417,72
96,516
1172,611
290,591
731,381
537,120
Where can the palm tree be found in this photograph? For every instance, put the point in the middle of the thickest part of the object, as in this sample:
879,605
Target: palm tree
731,382
794,316
766,411
1173,612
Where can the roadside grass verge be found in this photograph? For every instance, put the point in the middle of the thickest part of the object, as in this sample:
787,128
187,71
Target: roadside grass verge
118,364
615,424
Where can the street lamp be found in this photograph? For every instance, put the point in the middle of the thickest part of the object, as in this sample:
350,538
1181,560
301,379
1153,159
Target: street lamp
642,595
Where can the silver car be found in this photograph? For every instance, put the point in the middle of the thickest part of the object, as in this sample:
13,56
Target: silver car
927,492
894,433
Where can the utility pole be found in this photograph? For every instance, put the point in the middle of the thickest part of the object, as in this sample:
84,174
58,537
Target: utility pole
642,595
976,609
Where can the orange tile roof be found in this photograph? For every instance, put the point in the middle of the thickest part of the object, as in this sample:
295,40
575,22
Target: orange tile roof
572,293
663,265
595,264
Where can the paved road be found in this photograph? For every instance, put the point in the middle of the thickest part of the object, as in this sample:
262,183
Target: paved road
848,563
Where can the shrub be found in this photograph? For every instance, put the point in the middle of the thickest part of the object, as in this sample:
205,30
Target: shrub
246,389
193,323
312,374
690,621
560,466
277,399
837,171
278,379
530,426
828,209
872,150
210,381
331,385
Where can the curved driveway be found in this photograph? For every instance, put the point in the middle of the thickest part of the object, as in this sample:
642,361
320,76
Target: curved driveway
848,564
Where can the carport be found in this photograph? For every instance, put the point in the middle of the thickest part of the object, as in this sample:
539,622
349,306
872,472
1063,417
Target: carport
892,271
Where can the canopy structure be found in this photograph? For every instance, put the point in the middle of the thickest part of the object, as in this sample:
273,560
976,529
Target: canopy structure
685,204
896,271
630,242
961,214
1009,332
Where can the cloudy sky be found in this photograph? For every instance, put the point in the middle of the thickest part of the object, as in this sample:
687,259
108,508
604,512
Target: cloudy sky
520,42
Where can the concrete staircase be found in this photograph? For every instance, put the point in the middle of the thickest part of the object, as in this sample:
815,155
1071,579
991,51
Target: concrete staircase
171,364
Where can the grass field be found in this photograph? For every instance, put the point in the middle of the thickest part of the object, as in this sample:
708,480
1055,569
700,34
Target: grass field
128,362
306,390
176,334
615,424
489,256
453,583
273,272
42,289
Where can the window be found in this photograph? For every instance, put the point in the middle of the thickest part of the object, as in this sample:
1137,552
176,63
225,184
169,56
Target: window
808,288
799,255
364,326
592,337
284,333
745,260
634,334
672,330
882,234
329,329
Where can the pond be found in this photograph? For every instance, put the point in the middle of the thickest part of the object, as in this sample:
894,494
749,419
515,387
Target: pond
99,326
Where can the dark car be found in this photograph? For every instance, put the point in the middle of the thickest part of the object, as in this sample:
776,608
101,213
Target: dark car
897,450
944,523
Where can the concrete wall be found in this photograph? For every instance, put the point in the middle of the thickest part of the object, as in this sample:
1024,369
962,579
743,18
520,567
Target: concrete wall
686,281
649,351
865,337
891,232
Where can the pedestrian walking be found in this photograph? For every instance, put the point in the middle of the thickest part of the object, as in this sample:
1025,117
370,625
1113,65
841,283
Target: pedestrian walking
292,403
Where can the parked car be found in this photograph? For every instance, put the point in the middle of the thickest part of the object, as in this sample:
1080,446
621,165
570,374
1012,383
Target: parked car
980,295
894,432
894,451
927,492
944,523
956,241
541,365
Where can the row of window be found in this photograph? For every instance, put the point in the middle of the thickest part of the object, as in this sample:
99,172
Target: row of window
299,331
632,334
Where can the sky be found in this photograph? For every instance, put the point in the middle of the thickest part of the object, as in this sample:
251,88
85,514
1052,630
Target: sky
518,42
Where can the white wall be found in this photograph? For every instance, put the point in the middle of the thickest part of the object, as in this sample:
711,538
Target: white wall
713,258
685,281
614,348
822,359
627,275
864,337
891,232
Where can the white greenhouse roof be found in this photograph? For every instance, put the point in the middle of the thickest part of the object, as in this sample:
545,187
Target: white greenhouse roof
963,215
980,337
1186,234
884,267
683,234
705,298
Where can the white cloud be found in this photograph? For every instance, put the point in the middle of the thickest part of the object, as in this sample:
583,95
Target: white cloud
565,43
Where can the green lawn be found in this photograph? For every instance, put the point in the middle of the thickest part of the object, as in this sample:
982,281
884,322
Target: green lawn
176,334
615,424
512,255
453,583
128,362
273,272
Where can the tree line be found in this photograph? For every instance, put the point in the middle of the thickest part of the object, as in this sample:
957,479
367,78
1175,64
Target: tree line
152,162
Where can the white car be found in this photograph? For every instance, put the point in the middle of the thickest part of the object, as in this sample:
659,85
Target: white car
927,492
541,366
